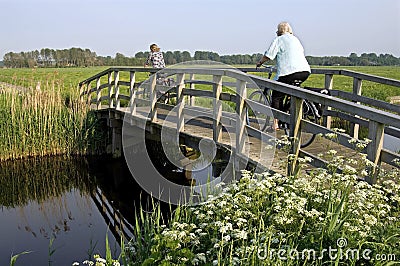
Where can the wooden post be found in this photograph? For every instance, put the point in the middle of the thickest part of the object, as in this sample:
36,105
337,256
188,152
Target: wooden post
192,86
116,86
327,120
153,98
89,95
132,93
296,114
98,91
375,134
241,94
217,111
354,128
180,102
110,90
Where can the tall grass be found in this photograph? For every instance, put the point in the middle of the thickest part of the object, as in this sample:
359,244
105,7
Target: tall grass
38,121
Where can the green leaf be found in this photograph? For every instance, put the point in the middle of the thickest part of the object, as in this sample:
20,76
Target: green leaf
15,257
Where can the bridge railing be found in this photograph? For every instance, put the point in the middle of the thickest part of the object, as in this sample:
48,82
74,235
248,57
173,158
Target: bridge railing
377,116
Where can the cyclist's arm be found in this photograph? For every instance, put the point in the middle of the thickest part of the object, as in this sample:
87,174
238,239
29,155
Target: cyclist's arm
262,60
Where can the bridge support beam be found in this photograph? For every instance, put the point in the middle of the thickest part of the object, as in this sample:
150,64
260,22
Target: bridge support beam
296,113
327,120
376,132
116,136
357,87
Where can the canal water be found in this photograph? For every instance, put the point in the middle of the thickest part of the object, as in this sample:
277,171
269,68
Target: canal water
53,208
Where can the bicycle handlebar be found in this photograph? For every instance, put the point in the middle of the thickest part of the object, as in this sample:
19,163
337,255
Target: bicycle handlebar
270,69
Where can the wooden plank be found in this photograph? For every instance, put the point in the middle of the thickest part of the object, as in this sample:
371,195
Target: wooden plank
88,80
124,97
193,87
217,107
116,88
209,94
389,157
132,92
357,89
366,100
180,102
110,90
89,96
153,98
296,114
241,92
376,135
376,79
327,120
98,102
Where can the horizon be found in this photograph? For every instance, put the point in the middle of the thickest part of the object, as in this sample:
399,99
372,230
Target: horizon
192,53
226,27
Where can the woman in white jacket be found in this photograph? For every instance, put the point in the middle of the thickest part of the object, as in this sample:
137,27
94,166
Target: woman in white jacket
291,62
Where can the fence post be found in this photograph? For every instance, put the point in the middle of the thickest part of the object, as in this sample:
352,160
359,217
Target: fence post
296,114
132,93
89,95
217,112
357,87
192,86
98,91
116,86
153,98
110,90
327,120
376,132
180,79
241,94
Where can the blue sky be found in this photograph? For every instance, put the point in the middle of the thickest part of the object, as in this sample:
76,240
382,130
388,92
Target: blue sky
224,26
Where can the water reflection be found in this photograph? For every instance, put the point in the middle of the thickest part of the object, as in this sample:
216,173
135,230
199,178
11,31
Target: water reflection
62,208
47,208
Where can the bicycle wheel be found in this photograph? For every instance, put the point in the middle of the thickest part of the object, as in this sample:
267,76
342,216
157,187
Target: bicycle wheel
256,119
309,114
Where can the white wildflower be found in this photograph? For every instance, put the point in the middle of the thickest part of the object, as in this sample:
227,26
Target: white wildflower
227,238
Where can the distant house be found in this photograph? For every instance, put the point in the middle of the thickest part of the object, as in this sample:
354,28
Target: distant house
1,64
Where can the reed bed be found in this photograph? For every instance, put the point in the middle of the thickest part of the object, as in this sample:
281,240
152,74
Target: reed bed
39,121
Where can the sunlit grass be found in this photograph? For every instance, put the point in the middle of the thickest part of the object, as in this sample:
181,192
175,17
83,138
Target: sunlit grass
40,121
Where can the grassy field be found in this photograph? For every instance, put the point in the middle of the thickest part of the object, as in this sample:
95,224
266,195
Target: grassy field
369,89
70,77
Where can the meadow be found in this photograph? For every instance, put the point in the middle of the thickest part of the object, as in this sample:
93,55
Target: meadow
318,217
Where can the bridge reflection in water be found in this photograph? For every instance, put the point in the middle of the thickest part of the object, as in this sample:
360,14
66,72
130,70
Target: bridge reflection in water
75,202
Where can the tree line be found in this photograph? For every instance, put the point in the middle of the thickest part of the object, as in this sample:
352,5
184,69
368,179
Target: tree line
78,57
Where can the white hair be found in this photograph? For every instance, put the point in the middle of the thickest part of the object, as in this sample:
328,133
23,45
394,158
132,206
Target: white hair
284,27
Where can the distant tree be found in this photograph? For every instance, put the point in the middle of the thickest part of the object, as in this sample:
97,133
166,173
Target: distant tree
186,56
140,55
169,58
77,57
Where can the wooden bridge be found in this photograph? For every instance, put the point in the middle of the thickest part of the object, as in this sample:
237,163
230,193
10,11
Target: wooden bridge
216,98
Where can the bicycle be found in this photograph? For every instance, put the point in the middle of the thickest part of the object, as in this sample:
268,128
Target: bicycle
311,111
165,85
